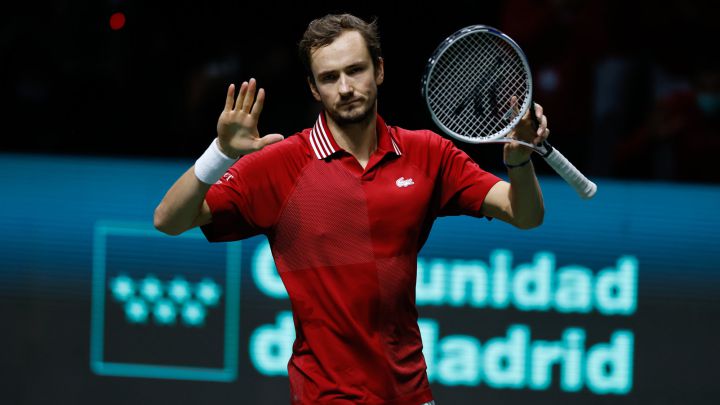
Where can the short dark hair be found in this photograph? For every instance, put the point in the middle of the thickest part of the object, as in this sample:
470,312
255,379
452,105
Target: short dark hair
323,31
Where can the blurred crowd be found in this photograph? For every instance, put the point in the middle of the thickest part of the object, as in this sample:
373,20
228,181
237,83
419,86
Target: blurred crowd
637,84
632,88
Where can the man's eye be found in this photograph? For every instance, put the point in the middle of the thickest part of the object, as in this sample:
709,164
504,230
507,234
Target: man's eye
328,78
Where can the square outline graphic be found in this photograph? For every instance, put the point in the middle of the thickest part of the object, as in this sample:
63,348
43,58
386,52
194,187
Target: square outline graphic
99,366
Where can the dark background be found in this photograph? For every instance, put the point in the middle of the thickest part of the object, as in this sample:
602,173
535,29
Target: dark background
618,79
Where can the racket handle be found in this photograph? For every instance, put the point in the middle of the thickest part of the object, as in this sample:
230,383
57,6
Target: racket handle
584,187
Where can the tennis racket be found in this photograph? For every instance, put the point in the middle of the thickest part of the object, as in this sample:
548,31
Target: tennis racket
478,85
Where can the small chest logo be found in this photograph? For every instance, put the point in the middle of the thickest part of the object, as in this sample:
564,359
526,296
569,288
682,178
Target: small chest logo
403,182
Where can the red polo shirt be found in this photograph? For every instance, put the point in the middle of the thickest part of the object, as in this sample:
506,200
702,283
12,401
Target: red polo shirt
345,242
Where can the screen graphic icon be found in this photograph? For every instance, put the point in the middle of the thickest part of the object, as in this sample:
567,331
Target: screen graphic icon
163,307
171,303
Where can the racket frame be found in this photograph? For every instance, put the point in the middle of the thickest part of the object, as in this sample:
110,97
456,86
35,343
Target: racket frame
527,102
584,187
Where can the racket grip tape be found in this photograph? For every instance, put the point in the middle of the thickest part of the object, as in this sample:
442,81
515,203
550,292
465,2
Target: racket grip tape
584,187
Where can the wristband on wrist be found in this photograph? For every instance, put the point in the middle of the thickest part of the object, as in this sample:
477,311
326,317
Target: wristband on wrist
212,164
509,166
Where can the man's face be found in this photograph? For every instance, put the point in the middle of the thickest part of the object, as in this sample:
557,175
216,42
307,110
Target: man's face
345,81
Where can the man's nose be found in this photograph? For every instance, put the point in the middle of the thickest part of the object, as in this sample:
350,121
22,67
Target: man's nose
345,85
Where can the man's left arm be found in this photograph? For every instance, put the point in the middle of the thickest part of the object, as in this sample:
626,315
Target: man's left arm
519,202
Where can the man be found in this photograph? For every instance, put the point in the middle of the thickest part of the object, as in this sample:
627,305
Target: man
346,206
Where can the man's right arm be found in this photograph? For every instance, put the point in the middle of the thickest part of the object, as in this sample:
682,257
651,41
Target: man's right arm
183,206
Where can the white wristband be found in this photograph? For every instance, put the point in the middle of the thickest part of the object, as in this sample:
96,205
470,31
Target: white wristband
212,164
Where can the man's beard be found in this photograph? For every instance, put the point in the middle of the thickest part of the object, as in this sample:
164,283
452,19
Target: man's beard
355,118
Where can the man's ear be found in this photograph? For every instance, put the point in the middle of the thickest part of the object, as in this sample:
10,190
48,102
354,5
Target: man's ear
313,89
380,71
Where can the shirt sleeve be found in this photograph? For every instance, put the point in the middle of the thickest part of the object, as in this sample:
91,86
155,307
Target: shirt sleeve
464,185
247,199
226,199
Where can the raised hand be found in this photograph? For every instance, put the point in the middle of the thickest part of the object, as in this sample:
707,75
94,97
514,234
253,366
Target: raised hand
527,131
237,126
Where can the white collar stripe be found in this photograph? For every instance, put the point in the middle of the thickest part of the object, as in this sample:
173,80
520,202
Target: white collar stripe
324,150
325,138
397,150
323,147
312,143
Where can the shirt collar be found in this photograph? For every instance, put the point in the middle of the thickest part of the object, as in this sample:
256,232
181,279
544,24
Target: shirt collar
323,143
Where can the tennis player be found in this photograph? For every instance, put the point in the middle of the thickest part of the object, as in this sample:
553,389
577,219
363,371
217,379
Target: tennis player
346,205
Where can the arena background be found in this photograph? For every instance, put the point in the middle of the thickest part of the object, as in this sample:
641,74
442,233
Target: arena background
612,300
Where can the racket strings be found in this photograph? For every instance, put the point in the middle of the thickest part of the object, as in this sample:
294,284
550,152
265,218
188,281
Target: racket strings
472,84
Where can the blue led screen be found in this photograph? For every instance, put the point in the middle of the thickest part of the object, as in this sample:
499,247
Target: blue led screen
612,300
